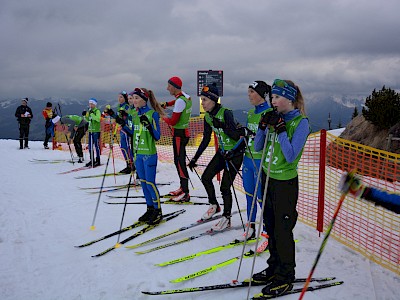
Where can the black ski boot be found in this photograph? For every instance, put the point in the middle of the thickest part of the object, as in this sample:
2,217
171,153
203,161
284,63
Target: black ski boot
155,217
127,170
80,160
146,216
96,162
266,276
277,287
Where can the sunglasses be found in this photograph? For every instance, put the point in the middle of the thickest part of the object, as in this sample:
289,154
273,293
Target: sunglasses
205,89
281,83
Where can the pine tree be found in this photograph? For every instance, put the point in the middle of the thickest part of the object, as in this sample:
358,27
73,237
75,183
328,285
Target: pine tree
355,113
382,108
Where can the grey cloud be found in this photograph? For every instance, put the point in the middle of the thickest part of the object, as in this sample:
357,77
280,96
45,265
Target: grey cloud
77,48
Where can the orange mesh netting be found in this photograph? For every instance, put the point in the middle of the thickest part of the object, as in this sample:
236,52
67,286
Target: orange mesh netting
371,230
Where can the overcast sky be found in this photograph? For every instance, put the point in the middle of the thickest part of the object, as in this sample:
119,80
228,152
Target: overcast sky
83,49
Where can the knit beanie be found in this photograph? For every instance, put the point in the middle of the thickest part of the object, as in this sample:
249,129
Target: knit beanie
125,95
211,92
49,104
93,101
25,99
261,88
176,82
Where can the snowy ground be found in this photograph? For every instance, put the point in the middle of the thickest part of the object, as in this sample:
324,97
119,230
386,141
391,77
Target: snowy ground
44,214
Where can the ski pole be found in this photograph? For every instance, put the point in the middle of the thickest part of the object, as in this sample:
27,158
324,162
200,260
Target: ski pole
271,153
230,178
259,172
66,138
325,240
117,245
92,227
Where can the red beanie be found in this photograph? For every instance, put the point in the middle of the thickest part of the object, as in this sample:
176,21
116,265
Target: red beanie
176,82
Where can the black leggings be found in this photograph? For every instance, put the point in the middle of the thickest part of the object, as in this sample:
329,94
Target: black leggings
216,165
79,134
280,217
179,144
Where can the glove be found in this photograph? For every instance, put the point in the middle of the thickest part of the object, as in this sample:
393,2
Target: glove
351,183
120,121
244,131
144,120
192,164
281,126
109,111
163,105
264,121
84,113
229,154
123,113
217,123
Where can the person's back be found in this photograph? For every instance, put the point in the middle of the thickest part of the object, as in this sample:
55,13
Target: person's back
49,126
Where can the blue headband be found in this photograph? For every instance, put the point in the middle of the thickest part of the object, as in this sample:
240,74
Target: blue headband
285,90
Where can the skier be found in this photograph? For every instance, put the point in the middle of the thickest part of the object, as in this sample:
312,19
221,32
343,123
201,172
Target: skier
258,92
77,127
146,131
289,127
48,115
125,138
179,121
220,120
93,118
352,183
24,116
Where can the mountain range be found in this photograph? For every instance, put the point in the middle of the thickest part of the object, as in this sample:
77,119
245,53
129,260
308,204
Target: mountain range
340,110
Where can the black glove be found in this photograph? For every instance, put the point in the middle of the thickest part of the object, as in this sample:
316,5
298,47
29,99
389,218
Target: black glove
84,113
120,121
123,113
266,119
144,120
109,111
217,123
229,154
280,126
244,131
192,164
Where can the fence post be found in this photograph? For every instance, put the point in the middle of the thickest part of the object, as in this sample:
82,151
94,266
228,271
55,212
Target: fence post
321,181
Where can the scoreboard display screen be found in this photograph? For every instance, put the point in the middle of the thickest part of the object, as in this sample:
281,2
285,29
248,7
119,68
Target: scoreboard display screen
208,77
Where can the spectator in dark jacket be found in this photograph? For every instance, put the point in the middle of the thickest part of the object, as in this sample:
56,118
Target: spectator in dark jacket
24,116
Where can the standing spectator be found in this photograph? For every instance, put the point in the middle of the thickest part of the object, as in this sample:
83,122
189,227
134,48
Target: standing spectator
48,115
93,117
179,121
219,120
24,116
286,128
77,127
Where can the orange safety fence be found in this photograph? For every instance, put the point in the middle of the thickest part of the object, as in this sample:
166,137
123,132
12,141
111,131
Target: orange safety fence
370,230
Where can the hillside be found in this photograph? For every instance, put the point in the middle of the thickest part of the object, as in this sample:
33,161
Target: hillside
361,131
